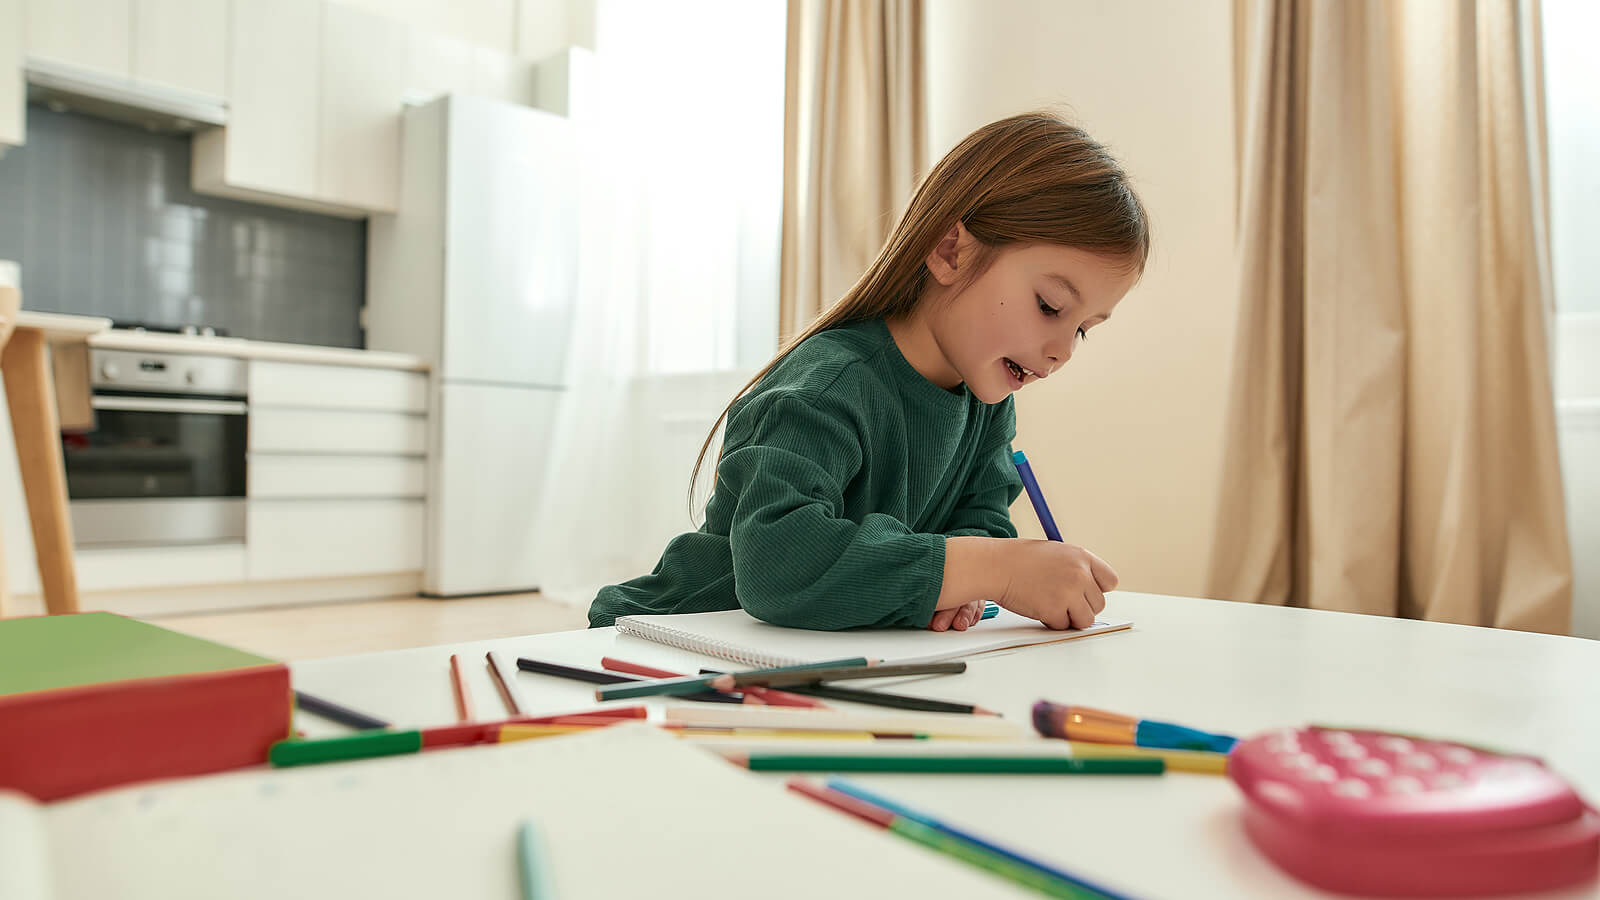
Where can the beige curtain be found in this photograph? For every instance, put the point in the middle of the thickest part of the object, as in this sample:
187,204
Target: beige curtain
1391,423
854,143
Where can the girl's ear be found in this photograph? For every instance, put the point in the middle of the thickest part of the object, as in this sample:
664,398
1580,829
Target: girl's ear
950,254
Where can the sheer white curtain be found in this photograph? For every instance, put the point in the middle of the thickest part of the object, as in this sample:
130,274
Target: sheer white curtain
1572,89
679,117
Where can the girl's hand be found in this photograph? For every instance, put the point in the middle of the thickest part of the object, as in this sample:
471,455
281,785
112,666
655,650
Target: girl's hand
957,617
1059,584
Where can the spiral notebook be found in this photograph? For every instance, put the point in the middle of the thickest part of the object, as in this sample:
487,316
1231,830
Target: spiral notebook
738,636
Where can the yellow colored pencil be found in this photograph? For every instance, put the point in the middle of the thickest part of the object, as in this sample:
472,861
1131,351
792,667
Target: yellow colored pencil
740,734
529,732
1176,760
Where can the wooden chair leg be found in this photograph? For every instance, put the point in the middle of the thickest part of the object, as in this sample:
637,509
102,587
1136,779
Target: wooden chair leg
25,365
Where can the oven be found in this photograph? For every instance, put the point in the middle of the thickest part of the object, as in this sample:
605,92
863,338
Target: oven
164,462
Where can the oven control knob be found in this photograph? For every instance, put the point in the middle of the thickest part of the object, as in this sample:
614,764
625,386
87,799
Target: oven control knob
109,370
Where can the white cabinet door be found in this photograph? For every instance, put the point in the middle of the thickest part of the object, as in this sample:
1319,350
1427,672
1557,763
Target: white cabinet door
93,34
13,93
300,477
270,144
364,74
332,538
182,44
439,65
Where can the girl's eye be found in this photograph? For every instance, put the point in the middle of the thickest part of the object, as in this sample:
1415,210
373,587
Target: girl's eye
1082,335
1046,308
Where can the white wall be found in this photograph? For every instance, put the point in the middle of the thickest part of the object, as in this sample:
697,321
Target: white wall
1127,441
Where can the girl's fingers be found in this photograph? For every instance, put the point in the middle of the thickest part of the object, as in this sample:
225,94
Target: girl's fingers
1105,577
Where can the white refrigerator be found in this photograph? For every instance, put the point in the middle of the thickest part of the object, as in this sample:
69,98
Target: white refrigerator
477,274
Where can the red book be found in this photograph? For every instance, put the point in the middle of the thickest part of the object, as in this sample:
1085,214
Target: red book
92,700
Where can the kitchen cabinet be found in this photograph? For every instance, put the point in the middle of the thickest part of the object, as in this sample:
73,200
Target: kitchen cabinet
182,44
90,34
268,151
364,74
337,474
13,93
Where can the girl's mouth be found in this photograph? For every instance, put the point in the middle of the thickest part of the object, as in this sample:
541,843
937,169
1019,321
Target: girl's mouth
1018,373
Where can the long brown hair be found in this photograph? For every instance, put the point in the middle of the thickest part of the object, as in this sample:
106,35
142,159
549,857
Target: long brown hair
1031,178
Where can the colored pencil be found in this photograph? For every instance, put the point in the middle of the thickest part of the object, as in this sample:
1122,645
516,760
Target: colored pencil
990,610
1036,496
533,863
991,858
770,678
932,724
458,684
875,698
963,764
505,679
341,714
688,684
1177,760
861,795
592,676
508,733
354,746
770,698
573,673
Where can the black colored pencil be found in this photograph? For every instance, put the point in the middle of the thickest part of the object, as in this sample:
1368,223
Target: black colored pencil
593,676
341,714
573,672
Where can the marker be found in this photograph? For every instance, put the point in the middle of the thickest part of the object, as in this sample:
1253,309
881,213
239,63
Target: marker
1031,485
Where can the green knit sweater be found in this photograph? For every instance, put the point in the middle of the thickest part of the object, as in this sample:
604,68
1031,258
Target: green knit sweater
842,472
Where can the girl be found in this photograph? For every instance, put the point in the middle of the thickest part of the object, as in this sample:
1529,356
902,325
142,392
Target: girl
865,476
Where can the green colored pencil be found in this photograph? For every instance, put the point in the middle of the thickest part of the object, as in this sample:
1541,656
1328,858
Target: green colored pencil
690,684
533,863
355,746
989,861
968,764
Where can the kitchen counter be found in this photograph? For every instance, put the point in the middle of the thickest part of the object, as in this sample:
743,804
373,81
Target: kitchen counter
156,342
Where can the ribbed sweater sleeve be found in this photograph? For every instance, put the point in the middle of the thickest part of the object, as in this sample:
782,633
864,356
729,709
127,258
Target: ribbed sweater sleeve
984,509
798,559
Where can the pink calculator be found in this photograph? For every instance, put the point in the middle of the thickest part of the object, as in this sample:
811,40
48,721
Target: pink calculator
1383,814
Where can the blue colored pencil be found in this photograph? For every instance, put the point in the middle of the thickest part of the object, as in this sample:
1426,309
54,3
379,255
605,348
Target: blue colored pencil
1031,485
862,794
533,863
990,610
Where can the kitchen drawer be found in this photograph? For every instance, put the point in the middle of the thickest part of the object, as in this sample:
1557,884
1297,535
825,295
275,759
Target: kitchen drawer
307,385
333,538
336,431
131,568
280,477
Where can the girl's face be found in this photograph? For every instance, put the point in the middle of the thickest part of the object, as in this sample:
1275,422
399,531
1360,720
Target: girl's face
1020,320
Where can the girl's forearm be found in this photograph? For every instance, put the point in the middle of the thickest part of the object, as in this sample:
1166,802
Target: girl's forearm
973,570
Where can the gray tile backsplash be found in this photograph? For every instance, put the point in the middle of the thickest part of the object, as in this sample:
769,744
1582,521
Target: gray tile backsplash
101,217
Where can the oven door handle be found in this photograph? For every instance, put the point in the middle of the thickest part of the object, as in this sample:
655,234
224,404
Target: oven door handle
174,405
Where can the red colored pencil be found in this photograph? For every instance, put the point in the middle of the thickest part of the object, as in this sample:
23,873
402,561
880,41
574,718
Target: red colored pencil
459,685
841,801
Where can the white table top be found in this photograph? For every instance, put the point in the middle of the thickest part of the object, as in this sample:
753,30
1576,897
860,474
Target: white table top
1227,667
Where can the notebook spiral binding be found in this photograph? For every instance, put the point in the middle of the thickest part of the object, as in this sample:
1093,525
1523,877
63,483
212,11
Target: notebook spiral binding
684,640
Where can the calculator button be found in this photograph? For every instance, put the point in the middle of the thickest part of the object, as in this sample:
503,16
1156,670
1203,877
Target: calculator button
1354,788
1394,744
1404,784
1445,781
1420,761
1373,767
1325,774
1338,737
1349,751
1461,756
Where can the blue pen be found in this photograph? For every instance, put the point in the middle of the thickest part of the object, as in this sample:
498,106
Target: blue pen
1031,485
990,610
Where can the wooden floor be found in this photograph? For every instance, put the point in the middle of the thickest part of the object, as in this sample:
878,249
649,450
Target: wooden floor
335,629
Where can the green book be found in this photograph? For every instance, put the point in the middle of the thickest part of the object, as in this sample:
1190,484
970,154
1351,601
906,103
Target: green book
41,653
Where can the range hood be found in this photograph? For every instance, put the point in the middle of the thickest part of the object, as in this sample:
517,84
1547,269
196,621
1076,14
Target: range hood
159,108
